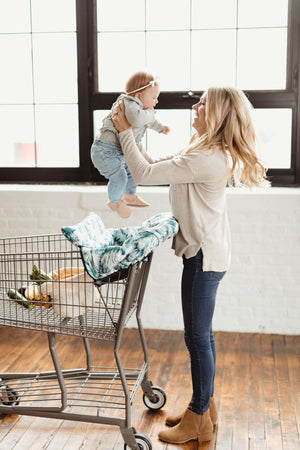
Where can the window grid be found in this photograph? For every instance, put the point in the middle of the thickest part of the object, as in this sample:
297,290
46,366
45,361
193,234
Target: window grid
90,100
147,30
32,101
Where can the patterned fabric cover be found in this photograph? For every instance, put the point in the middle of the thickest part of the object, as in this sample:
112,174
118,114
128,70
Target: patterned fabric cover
105,251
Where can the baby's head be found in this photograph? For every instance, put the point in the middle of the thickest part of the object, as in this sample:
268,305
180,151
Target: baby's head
145,87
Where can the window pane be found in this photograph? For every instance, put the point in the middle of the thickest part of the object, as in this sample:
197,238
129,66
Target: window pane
55,68
57,136
213,14
116,65
168,57
273,127
53,15
262,59
15,73
119,15
17,136
15,16
98,117
262,13
179,121
207,69
167,15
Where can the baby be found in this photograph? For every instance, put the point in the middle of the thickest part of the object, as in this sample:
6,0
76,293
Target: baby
141,96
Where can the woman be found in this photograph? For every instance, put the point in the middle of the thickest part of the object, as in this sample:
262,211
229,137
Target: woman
221,150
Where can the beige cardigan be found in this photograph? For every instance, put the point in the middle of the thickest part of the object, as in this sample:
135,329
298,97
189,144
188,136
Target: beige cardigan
197,196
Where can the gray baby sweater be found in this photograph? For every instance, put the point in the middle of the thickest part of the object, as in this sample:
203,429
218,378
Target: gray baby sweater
140,119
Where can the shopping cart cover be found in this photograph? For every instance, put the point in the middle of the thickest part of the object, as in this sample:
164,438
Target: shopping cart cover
105,251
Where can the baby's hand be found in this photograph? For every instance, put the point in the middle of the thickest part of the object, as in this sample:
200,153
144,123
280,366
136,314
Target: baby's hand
166,130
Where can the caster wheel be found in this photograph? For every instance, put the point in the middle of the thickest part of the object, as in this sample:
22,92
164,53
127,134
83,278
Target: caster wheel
142,441
9,397
158,402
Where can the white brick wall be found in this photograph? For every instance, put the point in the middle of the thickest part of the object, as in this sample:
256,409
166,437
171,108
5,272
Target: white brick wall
260,293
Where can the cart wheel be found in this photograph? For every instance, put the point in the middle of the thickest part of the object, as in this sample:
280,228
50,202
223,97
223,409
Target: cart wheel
9,397
158,402
142,441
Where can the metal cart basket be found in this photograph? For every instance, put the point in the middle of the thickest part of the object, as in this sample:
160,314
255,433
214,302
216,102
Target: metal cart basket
44,286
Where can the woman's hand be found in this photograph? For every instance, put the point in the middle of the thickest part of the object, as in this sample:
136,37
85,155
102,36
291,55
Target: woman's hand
119,119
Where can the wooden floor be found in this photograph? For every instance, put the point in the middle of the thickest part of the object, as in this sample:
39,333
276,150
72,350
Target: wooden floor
257,390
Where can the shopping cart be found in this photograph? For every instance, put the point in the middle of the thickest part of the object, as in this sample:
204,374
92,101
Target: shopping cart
44,286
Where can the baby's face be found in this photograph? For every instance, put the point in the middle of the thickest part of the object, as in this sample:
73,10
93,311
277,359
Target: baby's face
149,96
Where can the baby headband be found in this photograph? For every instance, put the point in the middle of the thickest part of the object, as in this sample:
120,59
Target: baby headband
152,83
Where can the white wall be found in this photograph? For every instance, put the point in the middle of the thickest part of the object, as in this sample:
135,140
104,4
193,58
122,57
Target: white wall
260,293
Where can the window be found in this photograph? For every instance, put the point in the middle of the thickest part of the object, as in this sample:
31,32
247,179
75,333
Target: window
253,45
38,86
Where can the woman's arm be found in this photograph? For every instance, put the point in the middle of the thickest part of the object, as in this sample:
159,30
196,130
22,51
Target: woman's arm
151,160
179,169
170,171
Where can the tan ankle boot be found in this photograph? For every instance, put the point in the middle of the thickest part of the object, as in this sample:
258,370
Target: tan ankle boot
171,421
213,412
191,427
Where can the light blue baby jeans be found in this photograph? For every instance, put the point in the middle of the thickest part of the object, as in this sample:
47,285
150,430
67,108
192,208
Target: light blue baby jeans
108,158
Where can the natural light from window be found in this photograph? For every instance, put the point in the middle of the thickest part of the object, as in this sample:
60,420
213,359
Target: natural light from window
188,44
38,84
191,45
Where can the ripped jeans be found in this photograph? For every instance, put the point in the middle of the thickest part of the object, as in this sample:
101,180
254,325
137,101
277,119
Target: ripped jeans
198,292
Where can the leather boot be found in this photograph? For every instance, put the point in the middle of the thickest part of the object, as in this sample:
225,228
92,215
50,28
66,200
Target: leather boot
192,427
213,412
171,421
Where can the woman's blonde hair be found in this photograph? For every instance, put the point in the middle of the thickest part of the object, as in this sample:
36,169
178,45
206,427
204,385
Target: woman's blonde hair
229,126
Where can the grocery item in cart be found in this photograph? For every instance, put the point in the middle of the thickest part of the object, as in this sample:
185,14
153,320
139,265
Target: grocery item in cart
19,298
68,299
74,297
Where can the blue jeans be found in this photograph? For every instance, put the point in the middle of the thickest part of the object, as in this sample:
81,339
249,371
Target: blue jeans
108,158
198,292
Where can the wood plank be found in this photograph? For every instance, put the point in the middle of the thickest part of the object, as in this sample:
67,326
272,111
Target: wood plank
26,358
287,413
241,394
20,426
12,343
168,370
271,402
292,345
222,341
256,397
291,444
226,411
257,444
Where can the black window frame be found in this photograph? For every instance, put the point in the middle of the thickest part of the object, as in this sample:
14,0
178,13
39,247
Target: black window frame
90,100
